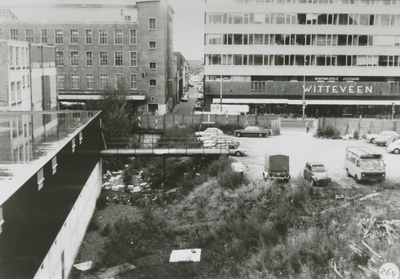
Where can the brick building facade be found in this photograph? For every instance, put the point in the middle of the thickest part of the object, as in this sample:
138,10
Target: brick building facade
126,47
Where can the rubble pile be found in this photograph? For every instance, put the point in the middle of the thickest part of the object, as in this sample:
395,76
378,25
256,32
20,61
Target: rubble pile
382,230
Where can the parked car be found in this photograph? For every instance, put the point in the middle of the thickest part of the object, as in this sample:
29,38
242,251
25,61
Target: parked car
198,108
210,130
315,172
276,167
384,136
238,151
394,147
185,98
207,137
392,139
252,131
372,137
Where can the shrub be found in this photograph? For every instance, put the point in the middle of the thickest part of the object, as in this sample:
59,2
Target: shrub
102,201
106,230
93,225
355,134
229,179
328,132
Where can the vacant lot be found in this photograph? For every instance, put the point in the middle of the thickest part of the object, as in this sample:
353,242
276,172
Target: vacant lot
260,229
303,147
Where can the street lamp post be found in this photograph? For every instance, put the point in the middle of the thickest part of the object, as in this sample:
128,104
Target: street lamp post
220,89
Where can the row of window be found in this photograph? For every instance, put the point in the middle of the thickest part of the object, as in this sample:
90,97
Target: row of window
103,59
303,19
303,60
104,81
302,39
15,89
18,56
345,2
74,38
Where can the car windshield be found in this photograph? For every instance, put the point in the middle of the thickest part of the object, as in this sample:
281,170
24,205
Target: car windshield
371,164
318,168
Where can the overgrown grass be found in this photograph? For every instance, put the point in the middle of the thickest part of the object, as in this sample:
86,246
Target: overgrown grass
328,132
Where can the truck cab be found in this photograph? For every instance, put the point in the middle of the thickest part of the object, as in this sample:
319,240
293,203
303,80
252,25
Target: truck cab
364,164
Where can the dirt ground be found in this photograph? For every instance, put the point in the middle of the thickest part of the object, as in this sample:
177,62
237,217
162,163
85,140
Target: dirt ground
303,147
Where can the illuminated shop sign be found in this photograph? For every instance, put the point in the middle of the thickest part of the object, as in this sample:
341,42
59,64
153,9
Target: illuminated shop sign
337,89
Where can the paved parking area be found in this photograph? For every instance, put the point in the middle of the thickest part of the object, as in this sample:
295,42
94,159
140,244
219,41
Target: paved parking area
302,147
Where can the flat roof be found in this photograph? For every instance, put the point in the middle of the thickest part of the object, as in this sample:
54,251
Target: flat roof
29,140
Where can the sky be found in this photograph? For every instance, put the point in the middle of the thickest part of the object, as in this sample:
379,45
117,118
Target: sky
188,22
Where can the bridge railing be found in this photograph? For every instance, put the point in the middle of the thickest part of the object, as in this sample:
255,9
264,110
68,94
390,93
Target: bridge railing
167,146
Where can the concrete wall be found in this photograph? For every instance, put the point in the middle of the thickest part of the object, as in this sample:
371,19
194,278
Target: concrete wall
362,125
59,259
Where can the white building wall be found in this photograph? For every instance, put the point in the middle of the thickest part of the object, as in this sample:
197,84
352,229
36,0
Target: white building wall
59,259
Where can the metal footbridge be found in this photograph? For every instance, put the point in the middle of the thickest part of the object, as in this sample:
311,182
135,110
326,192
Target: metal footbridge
162,148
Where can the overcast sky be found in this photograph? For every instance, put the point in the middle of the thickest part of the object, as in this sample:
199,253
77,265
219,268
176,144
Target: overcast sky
188,22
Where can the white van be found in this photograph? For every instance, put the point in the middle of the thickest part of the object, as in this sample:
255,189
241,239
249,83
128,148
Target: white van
364,164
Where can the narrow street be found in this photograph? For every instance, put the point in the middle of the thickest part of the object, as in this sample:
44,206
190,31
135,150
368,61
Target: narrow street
187,107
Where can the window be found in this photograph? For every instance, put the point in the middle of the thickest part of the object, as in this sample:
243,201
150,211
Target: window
13,34
118,37
18,91
88,36
133,81
74,81
89,81
152,44
89,59
153,65
40,179
133,58
127,18
153,83
132,37
12,89
74,36
74,58
11,58
60,58
54,164
103,37
152,24
28,80
118,80
103,81
17,57
59,36
103,59
43,36
60,81
23,81
118,59
29,35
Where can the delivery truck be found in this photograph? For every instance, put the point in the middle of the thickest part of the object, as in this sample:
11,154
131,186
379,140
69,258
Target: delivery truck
276,166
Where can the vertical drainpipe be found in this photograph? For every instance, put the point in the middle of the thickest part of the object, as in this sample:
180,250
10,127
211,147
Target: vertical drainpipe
41,59
30,75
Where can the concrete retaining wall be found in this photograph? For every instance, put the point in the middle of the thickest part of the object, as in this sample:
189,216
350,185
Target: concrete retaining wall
59,259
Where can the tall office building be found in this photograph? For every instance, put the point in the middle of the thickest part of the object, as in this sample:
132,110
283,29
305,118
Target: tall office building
333,57
115,46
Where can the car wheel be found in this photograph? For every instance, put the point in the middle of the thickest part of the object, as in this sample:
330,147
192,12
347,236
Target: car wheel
237,153
396,151
265,177
357,179
373,140
260,135
238,135
347,173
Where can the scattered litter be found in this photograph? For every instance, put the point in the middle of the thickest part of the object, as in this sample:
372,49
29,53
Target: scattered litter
381,229
115,188
369,248
370,196
130,187
347,137
83,266
113,271
186,255
137,189
339,197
